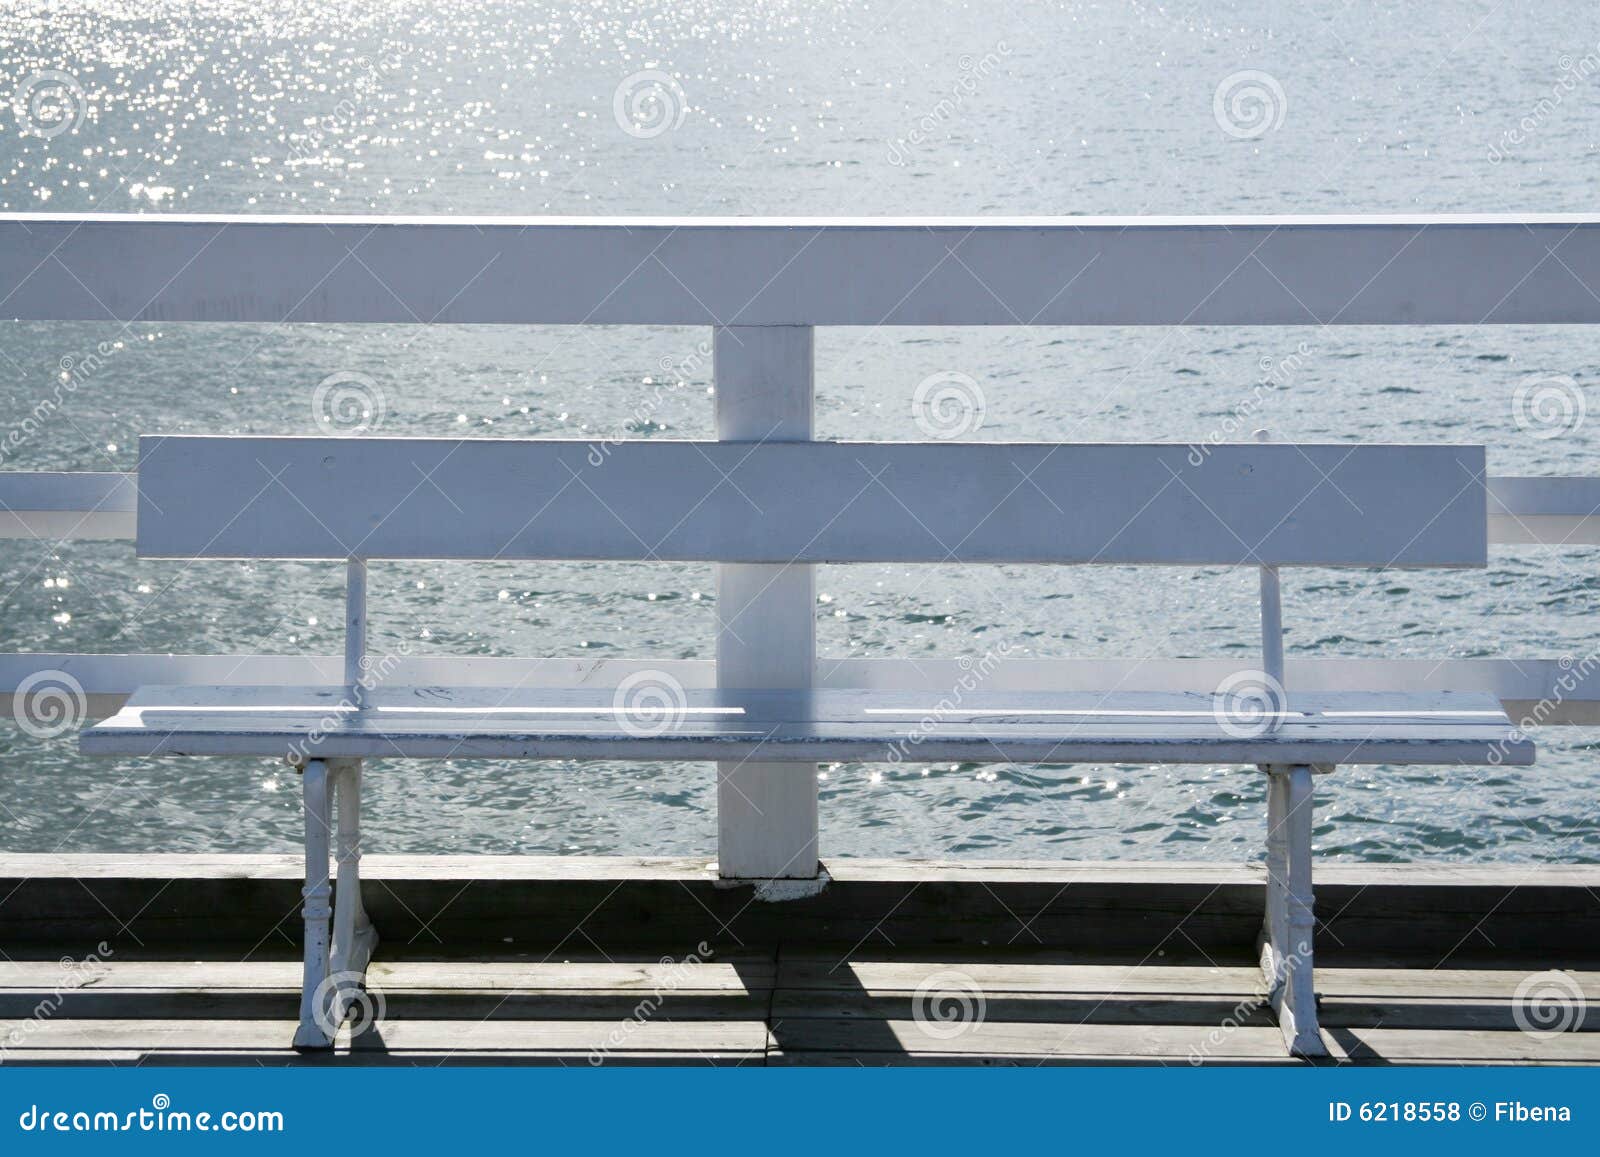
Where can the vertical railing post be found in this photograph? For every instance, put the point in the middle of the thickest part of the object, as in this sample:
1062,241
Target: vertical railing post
1272,632
766,613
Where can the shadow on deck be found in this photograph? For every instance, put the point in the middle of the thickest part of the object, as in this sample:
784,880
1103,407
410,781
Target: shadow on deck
995,1007
601,962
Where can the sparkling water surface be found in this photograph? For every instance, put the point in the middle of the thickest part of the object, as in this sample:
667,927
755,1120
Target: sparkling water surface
800,109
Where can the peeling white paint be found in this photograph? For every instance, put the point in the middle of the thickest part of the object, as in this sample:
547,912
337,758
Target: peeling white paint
776,891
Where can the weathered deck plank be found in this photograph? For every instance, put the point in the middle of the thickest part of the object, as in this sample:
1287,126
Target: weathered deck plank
559,1041
803,973
1001,1007
544,961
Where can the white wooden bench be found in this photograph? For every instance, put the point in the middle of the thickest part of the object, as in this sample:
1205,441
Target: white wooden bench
792,504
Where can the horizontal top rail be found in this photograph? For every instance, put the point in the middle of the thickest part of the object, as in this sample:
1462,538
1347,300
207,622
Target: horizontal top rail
1442,270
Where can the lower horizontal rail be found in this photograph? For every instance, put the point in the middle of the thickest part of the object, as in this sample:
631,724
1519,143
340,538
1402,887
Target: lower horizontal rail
1534,691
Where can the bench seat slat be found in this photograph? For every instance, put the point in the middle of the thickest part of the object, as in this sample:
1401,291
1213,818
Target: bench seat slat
824,725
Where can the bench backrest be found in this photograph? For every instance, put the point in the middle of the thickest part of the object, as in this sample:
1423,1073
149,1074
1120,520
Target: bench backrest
1268,504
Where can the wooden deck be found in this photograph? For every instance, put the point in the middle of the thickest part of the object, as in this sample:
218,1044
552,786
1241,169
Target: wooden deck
490,960
1027,1008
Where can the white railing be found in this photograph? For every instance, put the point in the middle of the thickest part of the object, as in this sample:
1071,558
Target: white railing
763,285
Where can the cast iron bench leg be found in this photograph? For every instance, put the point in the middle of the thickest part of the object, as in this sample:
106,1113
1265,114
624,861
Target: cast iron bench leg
354,937
315,1020
1286,952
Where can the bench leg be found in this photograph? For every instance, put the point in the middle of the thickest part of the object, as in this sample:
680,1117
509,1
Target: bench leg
1286,940
314,1019
354,937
